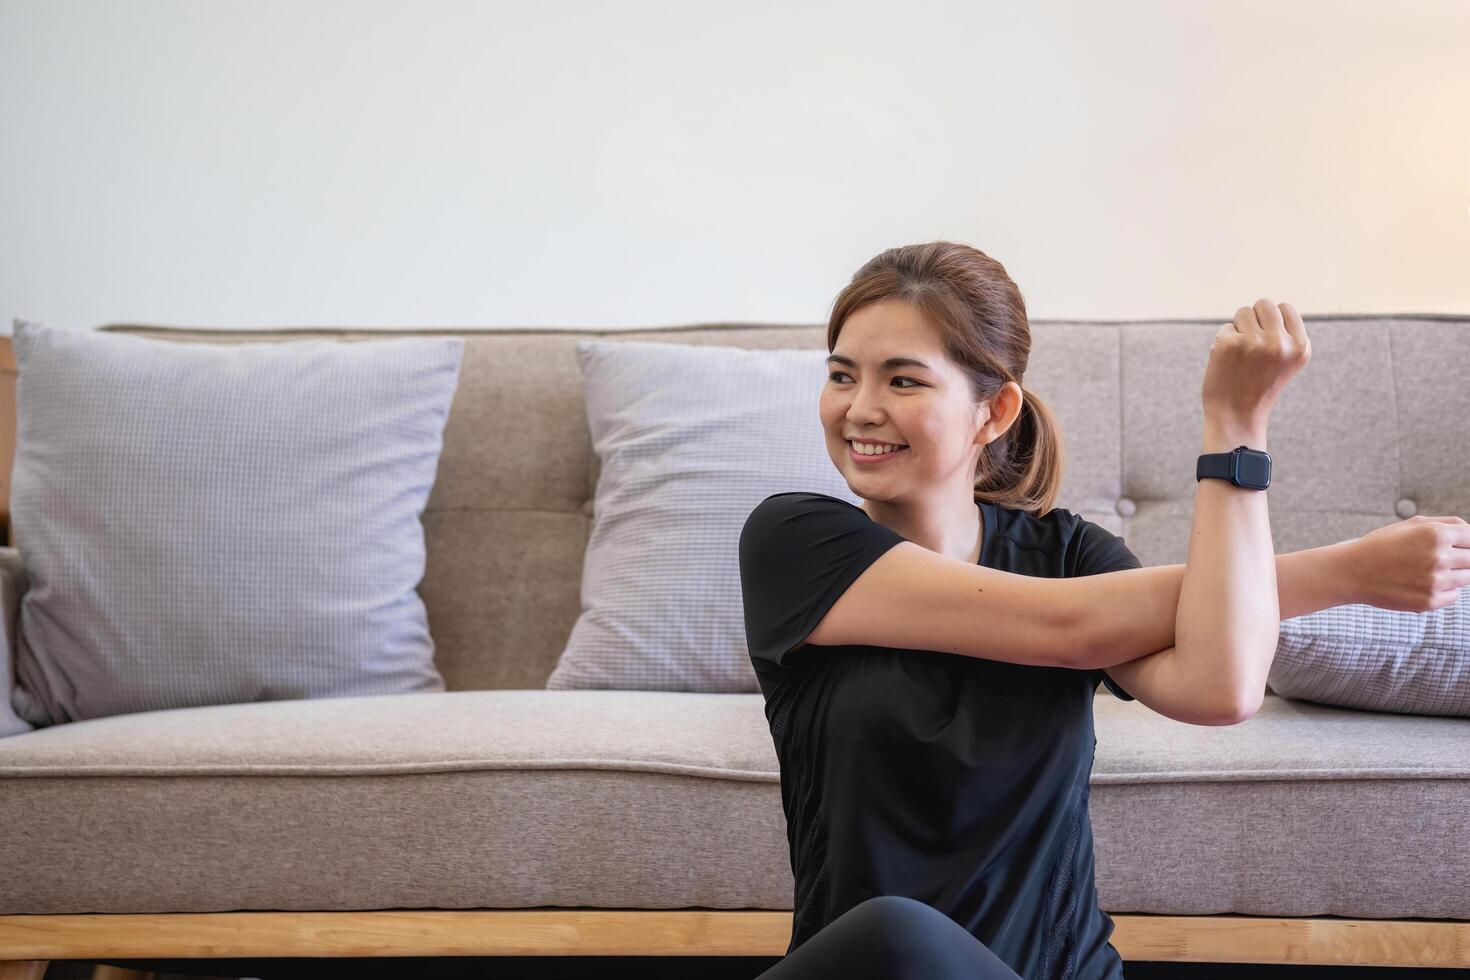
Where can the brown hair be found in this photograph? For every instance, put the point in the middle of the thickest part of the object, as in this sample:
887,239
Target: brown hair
981,318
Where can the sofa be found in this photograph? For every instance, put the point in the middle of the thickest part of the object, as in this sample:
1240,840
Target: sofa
499,818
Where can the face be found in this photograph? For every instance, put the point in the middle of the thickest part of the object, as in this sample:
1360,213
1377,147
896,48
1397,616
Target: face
876,393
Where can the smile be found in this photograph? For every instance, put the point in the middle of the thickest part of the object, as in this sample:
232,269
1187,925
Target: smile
858,457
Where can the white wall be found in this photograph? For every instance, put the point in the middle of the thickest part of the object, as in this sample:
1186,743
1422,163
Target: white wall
455,163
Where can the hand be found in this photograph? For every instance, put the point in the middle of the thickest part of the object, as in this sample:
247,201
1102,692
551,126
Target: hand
1251,360
1416,565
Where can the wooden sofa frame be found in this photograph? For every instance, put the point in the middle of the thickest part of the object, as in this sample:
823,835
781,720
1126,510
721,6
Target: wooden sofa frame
28,942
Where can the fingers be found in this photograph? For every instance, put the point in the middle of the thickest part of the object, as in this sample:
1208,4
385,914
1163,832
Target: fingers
1458,533
1295,326
1456,580
1246,322
1443,600
1268,315
1274,321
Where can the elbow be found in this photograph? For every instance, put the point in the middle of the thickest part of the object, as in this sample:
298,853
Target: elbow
1235,713
1242,706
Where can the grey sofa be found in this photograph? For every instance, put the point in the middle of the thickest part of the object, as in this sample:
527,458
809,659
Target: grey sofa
502,818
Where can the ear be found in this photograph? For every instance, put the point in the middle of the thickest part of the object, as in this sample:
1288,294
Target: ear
1005,408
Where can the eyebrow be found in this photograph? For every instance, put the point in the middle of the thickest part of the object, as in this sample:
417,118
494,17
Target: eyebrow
892,362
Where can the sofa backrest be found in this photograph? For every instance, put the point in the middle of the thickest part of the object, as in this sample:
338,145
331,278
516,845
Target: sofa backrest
1371,430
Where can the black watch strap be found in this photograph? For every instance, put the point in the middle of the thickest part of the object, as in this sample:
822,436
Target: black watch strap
1216,465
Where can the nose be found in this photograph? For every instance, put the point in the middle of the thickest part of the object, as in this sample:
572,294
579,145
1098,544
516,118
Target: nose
865,407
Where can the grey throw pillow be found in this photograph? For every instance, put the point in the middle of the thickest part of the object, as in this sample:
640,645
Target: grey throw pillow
1360,656
690,439
206,524
12,587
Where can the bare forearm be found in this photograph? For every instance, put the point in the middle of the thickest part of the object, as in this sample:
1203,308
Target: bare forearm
1228,616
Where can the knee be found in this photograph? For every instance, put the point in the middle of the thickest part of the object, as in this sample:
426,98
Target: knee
903,934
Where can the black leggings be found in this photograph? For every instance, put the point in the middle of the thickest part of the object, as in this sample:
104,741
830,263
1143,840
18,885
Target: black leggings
891,937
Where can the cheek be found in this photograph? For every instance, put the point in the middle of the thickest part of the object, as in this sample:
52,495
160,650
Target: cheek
932,432
830,411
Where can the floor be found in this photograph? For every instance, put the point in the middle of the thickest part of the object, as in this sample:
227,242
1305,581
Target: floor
663,968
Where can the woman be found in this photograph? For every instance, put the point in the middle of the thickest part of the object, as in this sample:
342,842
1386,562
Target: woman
929,659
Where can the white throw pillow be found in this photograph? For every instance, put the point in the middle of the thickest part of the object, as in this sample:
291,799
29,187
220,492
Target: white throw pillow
208,523
1360,656
690,439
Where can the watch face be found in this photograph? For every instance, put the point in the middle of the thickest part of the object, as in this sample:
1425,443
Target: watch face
1253,469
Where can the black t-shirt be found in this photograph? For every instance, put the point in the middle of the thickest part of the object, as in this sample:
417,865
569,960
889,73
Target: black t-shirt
958,781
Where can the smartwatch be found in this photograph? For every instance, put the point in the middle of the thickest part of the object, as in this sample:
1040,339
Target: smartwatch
1248,468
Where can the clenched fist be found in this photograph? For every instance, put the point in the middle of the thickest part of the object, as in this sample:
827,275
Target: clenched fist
1415,565
1251,360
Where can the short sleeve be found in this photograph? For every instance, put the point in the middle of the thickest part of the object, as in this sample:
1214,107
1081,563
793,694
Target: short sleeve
1100,550
799,552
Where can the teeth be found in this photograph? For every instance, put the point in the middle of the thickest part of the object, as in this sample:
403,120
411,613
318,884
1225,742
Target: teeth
873,449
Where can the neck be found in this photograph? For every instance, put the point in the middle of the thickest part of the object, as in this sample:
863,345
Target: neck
954,527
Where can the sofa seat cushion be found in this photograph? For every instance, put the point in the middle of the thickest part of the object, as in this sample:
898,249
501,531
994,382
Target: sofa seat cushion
1304,810
469,799
703,735
648,799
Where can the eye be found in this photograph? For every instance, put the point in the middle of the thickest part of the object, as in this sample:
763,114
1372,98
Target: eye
835,374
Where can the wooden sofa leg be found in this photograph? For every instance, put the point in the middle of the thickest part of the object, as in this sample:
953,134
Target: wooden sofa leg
104,972
23,969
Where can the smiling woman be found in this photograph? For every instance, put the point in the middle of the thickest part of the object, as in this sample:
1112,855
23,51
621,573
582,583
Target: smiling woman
965,848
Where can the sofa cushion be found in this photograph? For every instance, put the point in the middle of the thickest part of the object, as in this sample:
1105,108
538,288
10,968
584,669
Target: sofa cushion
1303,810
205,524
690,440
1359,656
647,799
461,799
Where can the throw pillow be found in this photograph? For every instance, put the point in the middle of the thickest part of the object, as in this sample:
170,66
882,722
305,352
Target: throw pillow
1360,656
205,523
12,587
690,439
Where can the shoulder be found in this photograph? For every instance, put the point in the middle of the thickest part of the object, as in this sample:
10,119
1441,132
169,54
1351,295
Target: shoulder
800,527
779,511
